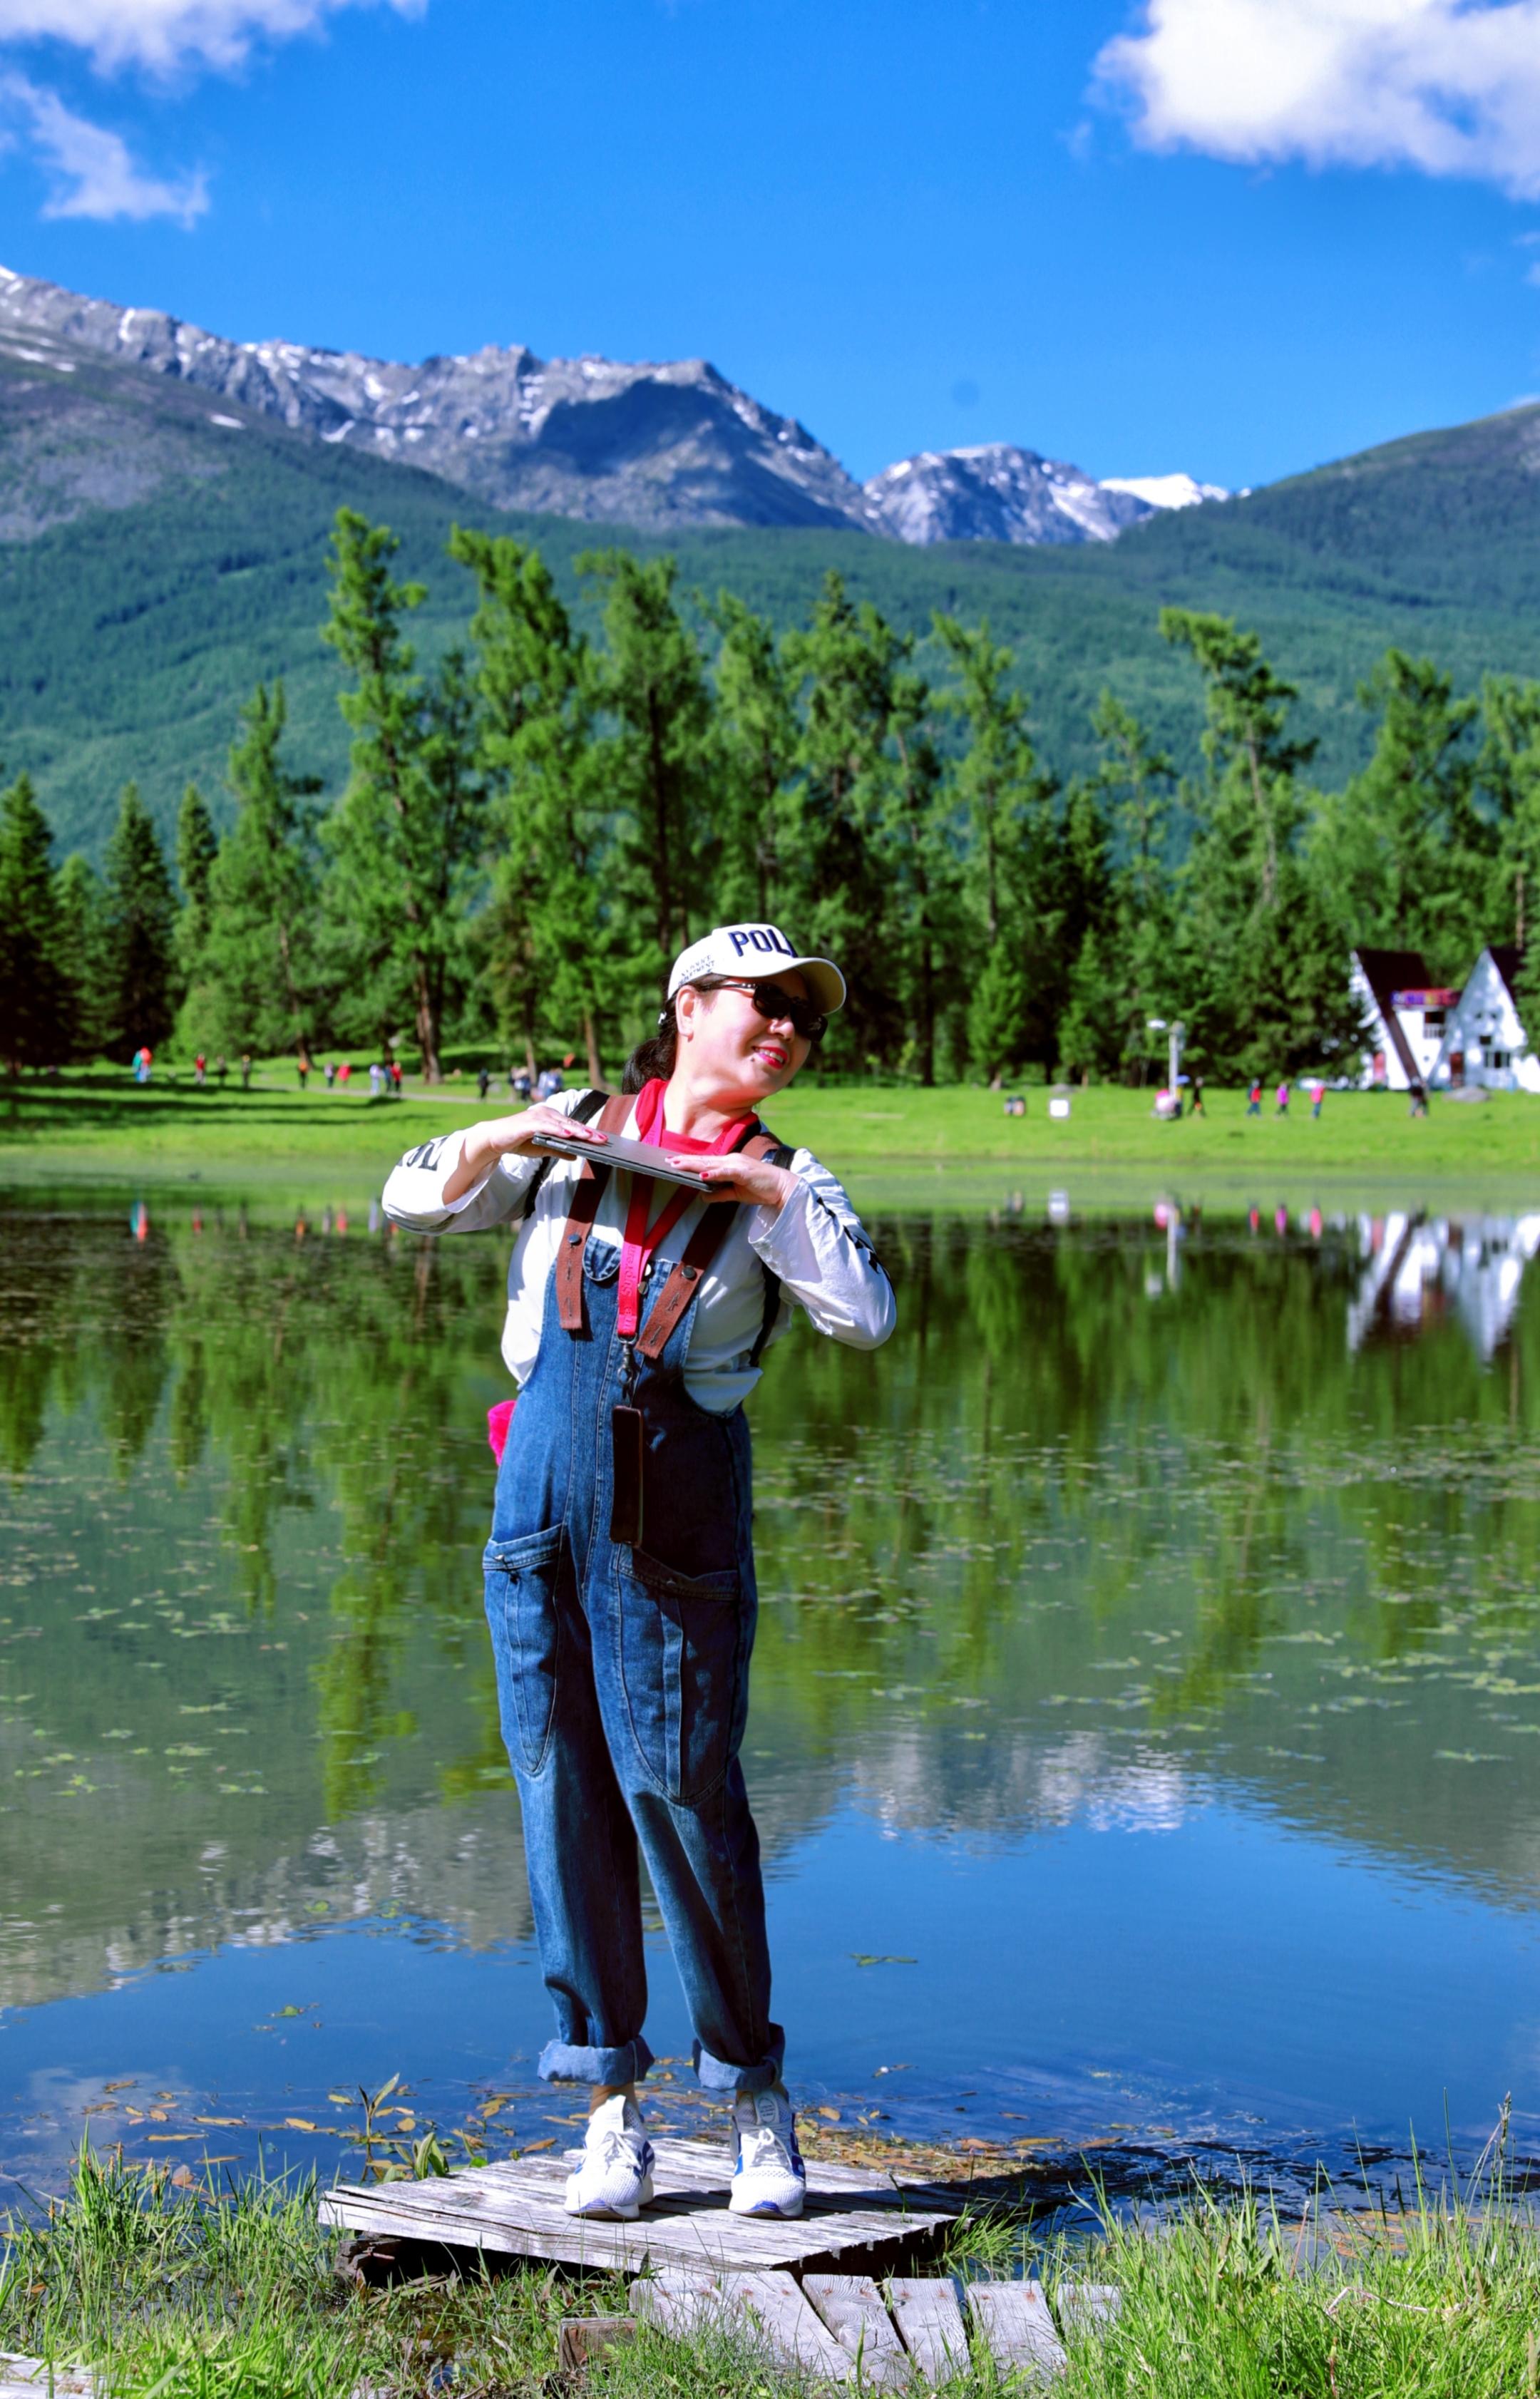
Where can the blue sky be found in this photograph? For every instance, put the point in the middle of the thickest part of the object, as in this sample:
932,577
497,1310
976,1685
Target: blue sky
1238,236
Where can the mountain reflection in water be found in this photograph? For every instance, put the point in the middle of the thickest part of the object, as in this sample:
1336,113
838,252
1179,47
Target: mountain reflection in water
1151,1583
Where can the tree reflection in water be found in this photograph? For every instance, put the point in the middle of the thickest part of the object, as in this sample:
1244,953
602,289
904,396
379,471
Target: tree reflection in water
1086,1537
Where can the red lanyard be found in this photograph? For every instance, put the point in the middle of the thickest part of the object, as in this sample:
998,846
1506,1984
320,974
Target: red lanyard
642,1238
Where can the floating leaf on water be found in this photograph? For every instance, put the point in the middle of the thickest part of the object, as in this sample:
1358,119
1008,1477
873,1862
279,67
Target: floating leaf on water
863,1959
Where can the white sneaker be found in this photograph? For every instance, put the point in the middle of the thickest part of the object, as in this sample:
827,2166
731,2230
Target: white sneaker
615,2178
769,2178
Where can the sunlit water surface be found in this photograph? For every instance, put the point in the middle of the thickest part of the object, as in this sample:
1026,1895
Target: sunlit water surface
1145,1731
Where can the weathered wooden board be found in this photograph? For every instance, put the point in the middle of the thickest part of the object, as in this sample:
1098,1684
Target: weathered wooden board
1083,2306
679,2301
852,2307
1015,2321
33,2377
927,2315
514,2209
767,2306
582,2338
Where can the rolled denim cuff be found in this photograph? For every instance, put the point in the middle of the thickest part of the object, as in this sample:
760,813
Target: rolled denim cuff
560,2062
716,2076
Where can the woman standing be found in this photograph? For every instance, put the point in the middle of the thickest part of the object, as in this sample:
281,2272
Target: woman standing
620,1573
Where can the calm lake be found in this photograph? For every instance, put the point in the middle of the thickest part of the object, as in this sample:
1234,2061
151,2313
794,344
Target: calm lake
1145,1731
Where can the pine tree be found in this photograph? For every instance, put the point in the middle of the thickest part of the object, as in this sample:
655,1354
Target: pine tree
405,839
754,749
1139,954
920,822
1402,858
138,934
550,941
260,977
1262,974
82,906
1009,801
197,847
1509,772
844,666
651,680
34,1030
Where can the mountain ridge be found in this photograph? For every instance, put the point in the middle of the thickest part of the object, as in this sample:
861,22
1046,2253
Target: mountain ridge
651,444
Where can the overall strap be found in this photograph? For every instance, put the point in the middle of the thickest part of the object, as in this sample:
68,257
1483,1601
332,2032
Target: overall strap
589,1191
704,1243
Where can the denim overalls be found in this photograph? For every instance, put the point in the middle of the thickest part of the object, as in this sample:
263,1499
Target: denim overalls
623,1683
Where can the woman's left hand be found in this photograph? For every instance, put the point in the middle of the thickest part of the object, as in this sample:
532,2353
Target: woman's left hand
735,1177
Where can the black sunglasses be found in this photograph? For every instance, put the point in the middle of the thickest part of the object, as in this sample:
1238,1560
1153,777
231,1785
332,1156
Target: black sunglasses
804,1016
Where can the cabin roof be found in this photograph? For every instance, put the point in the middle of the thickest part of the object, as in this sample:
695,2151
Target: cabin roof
1386,973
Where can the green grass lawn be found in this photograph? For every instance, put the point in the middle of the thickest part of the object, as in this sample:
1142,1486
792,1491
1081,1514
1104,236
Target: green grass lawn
893,1144
232,2293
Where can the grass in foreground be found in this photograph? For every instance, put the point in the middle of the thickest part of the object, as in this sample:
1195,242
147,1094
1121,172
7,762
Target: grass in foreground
187,2295
94,1123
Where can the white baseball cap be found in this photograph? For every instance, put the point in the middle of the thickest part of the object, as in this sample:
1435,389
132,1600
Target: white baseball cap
757,952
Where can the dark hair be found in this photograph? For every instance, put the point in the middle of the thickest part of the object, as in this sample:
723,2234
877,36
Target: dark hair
654,1057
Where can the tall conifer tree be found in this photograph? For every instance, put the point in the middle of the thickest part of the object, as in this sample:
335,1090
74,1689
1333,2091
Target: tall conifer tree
33,995
138,933
406,837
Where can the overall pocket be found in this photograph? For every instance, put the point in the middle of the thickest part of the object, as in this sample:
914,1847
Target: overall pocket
680,1666
525,1626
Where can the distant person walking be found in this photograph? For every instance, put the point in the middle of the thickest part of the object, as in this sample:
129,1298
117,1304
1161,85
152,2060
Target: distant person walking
222,1069
1197,1107
200,1069
331,1072
396,1076
1317,1093
1253,1099
551,1081
141,1065
483,1083
375,1072
246,1070
303,1062
1282,1108
344,1072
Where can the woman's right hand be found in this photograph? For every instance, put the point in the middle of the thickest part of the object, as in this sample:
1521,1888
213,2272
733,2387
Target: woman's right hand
499,1135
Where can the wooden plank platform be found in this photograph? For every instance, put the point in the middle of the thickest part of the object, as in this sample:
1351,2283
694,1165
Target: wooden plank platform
926,2313
769,2307
852,2307
514,2210
1018,2326
33,2378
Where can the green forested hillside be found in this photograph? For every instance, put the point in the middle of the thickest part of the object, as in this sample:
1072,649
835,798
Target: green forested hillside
188,564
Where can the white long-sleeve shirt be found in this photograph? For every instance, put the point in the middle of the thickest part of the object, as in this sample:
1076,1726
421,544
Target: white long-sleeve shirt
814,1245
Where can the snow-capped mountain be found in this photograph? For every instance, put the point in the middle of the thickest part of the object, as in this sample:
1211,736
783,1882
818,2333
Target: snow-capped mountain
1167,490
651,445
997,492
643,446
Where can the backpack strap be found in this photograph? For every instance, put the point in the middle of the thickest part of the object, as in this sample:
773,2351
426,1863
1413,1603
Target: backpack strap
780,1156
705,1241
593,1183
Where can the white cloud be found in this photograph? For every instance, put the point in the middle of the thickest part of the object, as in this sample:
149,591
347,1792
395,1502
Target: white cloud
92,171
1450,87
163,34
